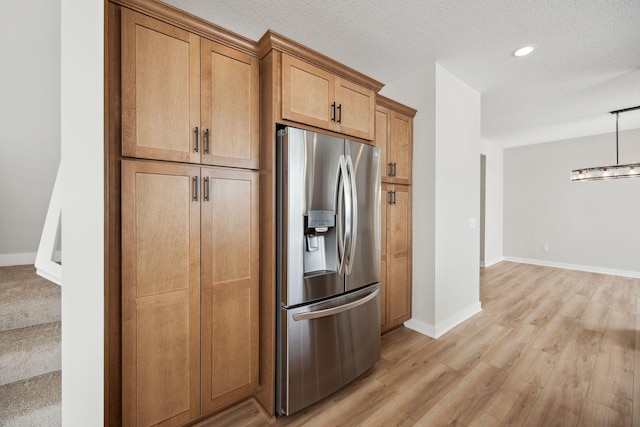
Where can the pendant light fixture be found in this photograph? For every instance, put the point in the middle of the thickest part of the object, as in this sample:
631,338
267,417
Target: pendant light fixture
630,170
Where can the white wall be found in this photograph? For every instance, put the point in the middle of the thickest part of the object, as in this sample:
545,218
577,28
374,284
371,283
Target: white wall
82,25
418,91
493,246
29,123
457,201
591,226
446,195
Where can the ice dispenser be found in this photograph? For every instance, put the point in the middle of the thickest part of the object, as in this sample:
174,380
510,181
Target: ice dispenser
320,243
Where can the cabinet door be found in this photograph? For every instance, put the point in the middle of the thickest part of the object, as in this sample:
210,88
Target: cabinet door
382,140
160,90
400,149
384,200
307,94
399,255
230,107
356,107
230,268
160,294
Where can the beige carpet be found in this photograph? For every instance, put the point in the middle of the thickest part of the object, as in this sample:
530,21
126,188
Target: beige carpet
30,357
26,299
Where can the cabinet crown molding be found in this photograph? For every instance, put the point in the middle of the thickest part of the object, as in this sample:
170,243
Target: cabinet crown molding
385,102
269,41
191,23
274,41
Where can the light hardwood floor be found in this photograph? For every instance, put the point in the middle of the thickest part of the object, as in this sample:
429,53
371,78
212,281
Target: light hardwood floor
551,347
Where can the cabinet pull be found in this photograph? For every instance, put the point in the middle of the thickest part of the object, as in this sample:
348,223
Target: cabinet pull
206,188
195,143
339,113
392,197
194,188
206,141
333,112
390,164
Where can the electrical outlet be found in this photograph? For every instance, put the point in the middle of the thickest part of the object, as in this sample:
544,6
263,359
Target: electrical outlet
545,248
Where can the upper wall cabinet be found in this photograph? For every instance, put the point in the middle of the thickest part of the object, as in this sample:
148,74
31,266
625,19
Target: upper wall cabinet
319,98
185,98
160,90
394,137
230,107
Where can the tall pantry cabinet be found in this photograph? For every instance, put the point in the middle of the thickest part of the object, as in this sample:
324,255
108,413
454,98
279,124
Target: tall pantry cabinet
190,223
394,137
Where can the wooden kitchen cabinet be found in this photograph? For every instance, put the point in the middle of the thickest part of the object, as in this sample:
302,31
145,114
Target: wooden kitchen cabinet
160,294
186,98
190,242
314,96
230,286
383,260
394,137
230,114
397,256
160,90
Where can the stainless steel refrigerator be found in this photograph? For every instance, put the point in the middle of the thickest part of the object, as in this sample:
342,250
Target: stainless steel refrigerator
328,252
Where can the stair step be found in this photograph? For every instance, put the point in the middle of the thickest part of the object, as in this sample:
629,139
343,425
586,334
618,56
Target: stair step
26,299
29,352
32,402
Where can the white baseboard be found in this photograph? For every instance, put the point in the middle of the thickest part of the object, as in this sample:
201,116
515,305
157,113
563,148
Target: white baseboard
443,327
494,261
422,327
578,267
17,259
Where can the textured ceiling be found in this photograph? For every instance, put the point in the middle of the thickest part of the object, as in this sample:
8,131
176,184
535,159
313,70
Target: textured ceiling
587,62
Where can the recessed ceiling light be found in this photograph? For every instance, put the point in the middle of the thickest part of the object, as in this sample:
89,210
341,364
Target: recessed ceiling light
524,51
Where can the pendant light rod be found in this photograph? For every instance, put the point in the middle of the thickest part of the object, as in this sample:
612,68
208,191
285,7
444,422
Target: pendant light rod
617,113
624,110
617,116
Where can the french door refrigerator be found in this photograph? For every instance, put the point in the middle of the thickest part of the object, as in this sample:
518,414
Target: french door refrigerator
328,272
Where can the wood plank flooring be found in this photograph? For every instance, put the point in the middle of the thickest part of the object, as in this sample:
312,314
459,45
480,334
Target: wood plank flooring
551,347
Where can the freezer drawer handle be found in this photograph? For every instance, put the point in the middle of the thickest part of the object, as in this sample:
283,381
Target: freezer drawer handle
335,310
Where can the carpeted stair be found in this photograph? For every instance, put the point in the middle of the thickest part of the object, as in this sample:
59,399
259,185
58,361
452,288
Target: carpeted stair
30,361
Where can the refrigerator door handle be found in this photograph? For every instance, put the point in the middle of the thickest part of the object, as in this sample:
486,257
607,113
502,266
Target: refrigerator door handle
344,234
335,310
354,215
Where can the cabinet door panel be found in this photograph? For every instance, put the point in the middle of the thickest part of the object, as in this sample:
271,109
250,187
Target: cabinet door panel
307,93
357,105
384,198
230,268
382,139
163,381
399,255
160,294
160,89
230,106
401,146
